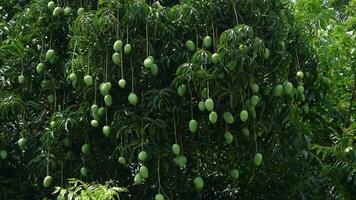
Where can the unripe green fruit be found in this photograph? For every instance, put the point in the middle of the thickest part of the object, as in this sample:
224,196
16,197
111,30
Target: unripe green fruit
3,154
94,123
234,173
57,11
213,117
122,83
199,183
159,197
116,58
127,49
73,77
143,172
67,142
51,5
204,93
50,98
94,108
67,11
207,41
84,171
176,149
254,100
101,111
106,130
22,143
182,89
244,115
118,45
138,179
21,79
47,181
86,149
154,69
228,137
49,54
255,88
190,45
88,80
277,91
288,88
122,160
133,99
40,68
181,161
245,132
302,97
209,104
266,53
300,89
193,125
215,58
108,100
228,117
300,74
105,88
142,156
243,49
257,159
201,106
148,62
80,11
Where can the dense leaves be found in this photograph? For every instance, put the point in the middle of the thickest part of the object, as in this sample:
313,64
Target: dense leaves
194,99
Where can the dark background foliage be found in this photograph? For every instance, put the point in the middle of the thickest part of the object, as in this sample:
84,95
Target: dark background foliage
304,153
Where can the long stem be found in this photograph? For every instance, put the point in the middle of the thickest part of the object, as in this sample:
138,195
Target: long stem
132,76
147,45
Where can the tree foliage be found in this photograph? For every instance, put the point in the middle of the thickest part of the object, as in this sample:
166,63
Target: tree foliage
194,99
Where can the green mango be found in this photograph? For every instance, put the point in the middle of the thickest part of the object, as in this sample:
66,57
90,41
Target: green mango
80,11
288,88
215,58
122,160
127,49
207,41
133,99
201,106
51,5
213,117
108,100
138,179
22,143
57,11
193,125
3,154
143,172
118,45
198,183
245,132
49,54
228,117
254,100
122,83
257,159
106,130
84,171
86,149
190,45
234,174
47,181
300,74
176,149
228,137
116,58
255,88
67,11
182,90
244,115
159,197
148,62
209,104
154,69
277,90
88,80
142,156
40,68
